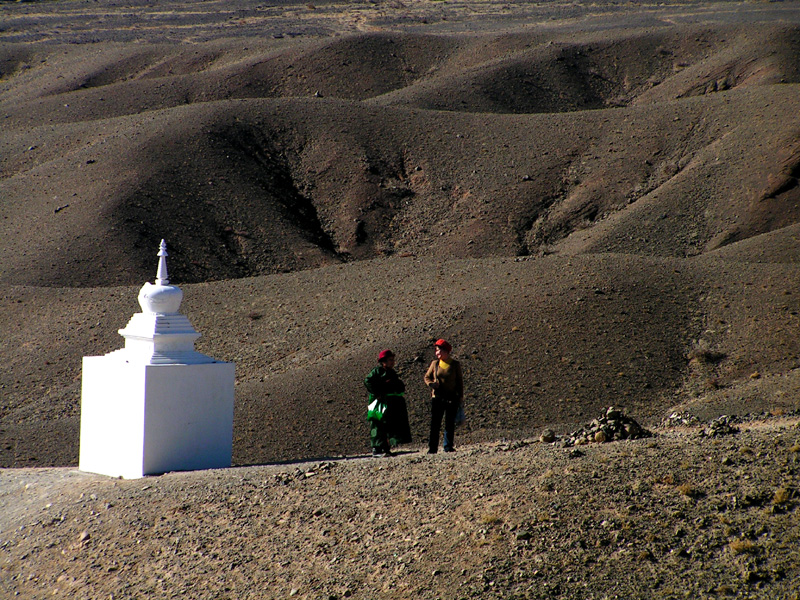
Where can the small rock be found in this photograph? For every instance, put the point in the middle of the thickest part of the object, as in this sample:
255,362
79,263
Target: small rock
632,430
548,436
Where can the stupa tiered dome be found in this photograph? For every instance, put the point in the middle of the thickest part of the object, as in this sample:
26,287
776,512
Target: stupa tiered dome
160,335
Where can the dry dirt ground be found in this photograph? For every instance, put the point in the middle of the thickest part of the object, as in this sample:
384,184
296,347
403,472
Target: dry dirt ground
597,203
677,515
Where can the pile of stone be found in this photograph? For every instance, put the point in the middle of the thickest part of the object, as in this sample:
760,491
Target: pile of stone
723,425
612,425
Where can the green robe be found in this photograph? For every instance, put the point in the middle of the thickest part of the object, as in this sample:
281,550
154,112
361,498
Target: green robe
386,386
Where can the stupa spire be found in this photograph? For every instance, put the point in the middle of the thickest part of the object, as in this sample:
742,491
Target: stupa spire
161,297
161,275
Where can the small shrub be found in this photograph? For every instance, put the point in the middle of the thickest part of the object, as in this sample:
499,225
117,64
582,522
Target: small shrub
703,354
726,589
541,518
742,547
688,490
781,496
491,519
646,555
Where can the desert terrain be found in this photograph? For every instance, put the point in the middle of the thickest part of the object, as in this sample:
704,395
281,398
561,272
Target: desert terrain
596,203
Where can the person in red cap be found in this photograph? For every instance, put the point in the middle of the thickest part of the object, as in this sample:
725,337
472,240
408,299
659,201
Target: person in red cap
445,380
387,413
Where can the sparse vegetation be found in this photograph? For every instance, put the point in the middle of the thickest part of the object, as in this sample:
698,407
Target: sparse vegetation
689,490
667,479
491,519
743,546
781,496
700,352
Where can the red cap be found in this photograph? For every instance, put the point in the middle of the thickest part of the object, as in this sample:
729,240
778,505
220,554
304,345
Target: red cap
384,354
444,345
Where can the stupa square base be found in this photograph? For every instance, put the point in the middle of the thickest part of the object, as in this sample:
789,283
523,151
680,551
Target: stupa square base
143,419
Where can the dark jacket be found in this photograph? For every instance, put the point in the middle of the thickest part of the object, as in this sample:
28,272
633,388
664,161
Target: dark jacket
381,382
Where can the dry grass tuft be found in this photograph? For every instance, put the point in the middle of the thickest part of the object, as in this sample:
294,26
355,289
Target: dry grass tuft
726,589
668,479
491,519
781,496
701,353
646,555
743,547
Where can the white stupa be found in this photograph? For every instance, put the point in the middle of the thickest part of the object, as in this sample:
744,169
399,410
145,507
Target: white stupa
157,404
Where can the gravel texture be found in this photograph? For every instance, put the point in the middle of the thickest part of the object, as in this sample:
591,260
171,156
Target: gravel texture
676,515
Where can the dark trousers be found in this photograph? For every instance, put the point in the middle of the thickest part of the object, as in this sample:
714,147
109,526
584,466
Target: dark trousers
441,408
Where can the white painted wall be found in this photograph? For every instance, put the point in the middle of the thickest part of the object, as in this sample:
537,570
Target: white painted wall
142,419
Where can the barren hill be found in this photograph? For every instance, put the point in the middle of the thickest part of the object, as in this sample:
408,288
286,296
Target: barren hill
596,203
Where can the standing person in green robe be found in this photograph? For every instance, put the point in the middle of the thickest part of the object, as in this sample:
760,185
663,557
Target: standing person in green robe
388,414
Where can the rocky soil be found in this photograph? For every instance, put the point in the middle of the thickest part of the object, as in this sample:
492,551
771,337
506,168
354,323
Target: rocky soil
681,514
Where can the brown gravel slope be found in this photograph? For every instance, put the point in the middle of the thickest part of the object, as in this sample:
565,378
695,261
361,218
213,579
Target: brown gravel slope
256,156
596,211
544,341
